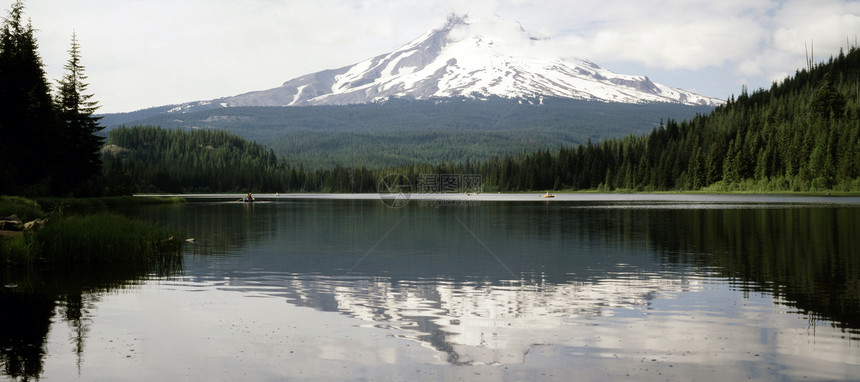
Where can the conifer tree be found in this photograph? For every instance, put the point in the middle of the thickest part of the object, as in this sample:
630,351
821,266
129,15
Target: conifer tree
75,110
27,124
828,102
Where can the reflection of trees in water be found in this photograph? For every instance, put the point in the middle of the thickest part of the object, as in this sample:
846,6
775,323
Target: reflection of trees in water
75,309
32,297
809,257
25,322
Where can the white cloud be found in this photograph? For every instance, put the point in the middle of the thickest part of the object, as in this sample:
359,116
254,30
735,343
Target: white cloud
142,53
680,35
147,53
800,28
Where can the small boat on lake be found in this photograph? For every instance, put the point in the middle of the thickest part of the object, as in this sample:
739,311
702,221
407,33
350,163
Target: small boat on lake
547,195
248,198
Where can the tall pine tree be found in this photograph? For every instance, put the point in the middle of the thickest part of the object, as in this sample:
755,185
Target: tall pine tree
28,127
75,111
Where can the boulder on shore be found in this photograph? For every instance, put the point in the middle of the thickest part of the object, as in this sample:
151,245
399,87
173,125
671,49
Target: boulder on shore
10,223
13,224
36,223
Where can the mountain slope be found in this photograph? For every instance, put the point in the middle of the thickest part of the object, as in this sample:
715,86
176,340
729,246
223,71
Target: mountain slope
467,57
400,131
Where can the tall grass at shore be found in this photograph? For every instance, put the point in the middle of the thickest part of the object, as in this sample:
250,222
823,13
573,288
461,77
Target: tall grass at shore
89,238
40,207
22,207
104,238
95,238
90,205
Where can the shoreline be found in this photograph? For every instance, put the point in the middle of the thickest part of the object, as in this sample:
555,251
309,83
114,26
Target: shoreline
658,197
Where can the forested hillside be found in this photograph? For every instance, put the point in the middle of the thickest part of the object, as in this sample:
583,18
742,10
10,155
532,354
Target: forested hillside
802,134
402,131
154,159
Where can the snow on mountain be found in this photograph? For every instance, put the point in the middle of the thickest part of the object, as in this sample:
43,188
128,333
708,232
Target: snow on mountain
471,58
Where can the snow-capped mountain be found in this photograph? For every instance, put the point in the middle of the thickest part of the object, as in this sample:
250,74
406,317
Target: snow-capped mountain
466,57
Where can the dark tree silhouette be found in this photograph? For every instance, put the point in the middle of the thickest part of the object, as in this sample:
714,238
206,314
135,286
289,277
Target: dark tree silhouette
28,127
75,110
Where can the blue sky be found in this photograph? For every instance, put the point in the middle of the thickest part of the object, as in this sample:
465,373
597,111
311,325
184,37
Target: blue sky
144,53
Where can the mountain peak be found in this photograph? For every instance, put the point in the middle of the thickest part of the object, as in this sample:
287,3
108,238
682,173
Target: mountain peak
487,31
468,57
455,19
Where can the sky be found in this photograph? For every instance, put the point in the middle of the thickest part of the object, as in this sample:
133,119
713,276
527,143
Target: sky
146,53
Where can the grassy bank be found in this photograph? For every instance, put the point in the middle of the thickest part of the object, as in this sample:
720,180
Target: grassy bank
90,205
26,209
81,231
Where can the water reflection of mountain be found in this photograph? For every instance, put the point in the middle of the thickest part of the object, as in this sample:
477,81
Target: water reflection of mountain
451,277
470,321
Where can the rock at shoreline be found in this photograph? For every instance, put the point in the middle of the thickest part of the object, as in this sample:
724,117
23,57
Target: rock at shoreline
36,223
10,223
13,224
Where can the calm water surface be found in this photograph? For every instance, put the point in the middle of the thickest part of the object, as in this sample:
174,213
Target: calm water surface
595,287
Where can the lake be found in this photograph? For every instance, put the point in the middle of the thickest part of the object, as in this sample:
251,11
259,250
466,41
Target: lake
451,287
